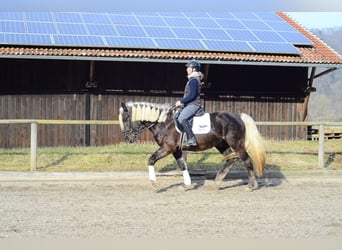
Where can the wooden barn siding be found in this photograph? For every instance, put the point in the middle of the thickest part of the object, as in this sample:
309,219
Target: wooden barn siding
265,110
105,107
68,107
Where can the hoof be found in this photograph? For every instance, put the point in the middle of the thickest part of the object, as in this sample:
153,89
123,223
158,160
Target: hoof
187,187
218,184
249,189
155,185
252,186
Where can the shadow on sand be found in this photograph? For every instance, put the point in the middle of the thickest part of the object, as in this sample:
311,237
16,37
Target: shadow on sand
272,176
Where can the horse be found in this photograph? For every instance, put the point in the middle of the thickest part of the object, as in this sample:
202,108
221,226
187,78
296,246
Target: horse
235,136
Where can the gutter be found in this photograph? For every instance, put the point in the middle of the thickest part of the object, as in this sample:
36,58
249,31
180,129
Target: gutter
171,60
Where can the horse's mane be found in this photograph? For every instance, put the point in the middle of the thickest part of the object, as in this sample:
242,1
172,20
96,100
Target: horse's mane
146,111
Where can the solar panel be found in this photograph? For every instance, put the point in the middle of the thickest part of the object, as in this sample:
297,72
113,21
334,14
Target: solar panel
178,22
130,31
78,40
160,32
187,33
151,21
245,15
96,18
71,28
295,38
268,36
281,26
36,39
101,29
230,24
127,42
220,14
38,16
204,23
263,47
228,45
10,38
218,34
123,19
67,17
198,14
255,25
268,16
41,28
12,26
18,16
242,35
180,43
260,32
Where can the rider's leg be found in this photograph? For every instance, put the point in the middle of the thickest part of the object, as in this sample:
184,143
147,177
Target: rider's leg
187,113
191,140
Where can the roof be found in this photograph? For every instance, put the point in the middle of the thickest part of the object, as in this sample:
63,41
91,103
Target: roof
319,54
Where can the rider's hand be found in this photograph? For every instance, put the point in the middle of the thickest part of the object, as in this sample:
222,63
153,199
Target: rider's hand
179,104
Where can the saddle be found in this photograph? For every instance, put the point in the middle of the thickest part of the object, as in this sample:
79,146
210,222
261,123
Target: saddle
200,123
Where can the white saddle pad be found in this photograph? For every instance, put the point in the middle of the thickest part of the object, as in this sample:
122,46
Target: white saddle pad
201,124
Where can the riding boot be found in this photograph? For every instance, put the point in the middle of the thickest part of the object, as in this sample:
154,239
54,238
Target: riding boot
191,140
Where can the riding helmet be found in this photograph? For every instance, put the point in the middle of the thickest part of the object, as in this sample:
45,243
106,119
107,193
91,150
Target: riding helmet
194,64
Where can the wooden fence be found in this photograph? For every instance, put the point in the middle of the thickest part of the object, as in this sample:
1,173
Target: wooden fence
34,127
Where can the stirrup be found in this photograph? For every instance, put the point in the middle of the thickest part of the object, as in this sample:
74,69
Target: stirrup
192,142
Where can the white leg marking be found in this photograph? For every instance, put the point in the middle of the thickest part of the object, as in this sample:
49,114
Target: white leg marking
151,173
186,176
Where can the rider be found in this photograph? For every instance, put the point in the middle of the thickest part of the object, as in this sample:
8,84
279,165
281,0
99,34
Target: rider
191,100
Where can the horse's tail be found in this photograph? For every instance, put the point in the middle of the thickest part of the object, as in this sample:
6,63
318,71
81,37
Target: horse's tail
254,144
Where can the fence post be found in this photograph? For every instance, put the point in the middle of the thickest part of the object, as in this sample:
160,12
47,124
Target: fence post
33,146
321,147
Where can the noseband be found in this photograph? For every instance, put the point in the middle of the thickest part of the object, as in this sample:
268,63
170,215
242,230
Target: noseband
134,132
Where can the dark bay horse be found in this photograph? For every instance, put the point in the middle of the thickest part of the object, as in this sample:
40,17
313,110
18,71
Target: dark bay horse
233,135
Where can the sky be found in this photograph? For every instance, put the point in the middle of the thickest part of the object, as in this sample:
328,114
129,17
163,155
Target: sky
173,5
309,13
317,20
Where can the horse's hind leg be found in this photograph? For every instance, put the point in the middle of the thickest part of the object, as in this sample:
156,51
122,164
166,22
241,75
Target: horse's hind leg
241,153
230,158
252,181
222,173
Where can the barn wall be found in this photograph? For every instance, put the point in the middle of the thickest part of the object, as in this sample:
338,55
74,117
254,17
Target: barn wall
66,107
53,76
51,89
265,109
105,107
42,76
263,81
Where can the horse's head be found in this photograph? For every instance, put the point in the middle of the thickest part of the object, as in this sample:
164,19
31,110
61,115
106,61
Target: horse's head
135,117
130,129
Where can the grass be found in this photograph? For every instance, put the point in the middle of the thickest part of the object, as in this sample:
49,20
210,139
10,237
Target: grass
281,155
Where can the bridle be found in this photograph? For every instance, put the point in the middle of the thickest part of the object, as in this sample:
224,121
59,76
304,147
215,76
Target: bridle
133,131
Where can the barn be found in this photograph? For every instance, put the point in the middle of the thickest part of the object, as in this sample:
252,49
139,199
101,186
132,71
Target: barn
81,66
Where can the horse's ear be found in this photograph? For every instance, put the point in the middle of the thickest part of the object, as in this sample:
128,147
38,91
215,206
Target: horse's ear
123,105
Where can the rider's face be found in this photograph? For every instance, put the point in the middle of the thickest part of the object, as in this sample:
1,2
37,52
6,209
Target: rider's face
189,70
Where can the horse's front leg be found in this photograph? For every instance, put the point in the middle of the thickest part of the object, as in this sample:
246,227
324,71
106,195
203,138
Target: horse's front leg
178,154
160,153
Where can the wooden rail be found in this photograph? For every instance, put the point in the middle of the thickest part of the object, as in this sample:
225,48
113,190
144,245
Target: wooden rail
34,125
